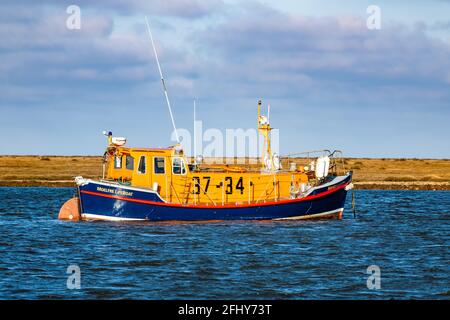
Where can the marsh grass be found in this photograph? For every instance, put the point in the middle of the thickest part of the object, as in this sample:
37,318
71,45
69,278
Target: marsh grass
44,170
59,170
400,178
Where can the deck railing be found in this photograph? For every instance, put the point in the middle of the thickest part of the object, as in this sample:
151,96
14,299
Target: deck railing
253,164
337,162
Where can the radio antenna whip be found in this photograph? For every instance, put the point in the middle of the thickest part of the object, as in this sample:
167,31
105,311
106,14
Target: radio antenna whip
162,80
195,132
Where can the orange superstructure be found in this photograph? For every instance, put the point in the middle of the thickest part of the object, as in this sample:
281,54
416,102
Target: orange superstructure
177,179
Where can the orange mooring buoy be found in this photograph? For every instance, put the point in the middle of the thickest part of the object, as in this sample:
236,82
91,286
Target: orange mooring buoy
70,210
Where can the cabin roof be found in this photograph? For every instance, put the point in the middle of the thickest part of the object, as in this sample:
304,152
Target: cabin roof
132,149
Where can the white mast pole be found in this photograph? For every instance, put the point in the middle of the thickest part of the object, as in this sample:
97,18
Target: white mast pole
162,80
195,134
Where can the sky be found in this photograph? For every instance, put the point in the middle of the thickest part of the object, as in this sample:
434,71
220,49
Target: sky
331,82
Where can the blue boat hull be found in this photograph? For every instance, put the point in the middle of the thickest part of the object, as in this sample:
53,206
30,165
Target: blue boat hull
99,200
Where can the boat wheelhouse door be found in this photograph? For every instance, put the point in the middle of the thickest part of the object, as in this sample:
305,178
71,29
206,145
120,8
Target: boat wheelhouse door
160,178
141,172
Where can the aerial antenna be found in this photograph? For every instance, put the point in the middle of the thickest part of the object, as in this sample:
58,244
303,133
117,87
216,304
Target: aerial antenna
162,80
195,133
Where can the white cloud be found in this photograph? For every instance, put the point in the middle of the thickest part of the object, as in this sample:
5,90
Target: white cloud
326,65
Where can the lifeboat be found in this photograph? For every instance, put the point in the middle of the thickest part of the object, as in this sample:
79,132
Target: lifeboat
163,184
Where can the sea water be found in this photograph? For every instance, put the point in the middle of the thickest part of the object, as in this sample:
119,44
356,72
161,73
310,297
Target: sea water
397,247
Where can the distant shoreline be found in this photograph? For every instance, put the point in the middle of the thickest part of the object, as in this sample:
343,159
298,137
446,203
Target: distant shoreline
369,173
358,185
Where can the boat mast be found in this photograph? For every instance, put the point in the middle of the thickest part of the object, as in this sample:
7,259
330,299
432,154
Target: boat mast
162,81
195,135
264,128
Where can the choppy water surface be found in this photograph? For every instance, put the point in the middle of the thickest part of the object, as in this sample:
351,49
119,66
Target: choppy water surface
405,233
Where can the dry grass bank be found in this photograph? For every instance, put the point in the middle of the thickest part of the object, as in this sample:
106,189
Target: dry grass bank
427,174
415,174
47,170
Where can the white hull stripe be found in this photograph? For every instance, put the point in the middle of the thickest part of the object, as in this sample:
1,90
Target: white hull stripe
312,216
89,216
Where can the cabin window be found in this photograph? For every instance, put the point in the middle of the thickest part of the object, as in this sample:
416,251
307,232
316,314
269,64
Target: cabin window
178,166
159,165
141,167
117,162
129,162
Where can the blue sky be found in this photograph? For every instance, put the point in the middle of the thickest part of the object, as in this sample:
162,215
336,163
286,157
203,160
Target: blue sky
330,81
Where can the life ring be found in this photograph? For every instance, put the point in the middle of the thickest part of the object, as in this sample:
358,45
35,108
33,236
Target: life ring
123,181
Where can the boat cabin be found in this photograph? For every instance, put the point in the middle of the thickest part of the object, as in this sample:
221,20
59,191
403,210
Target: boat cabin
180,180
170,173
